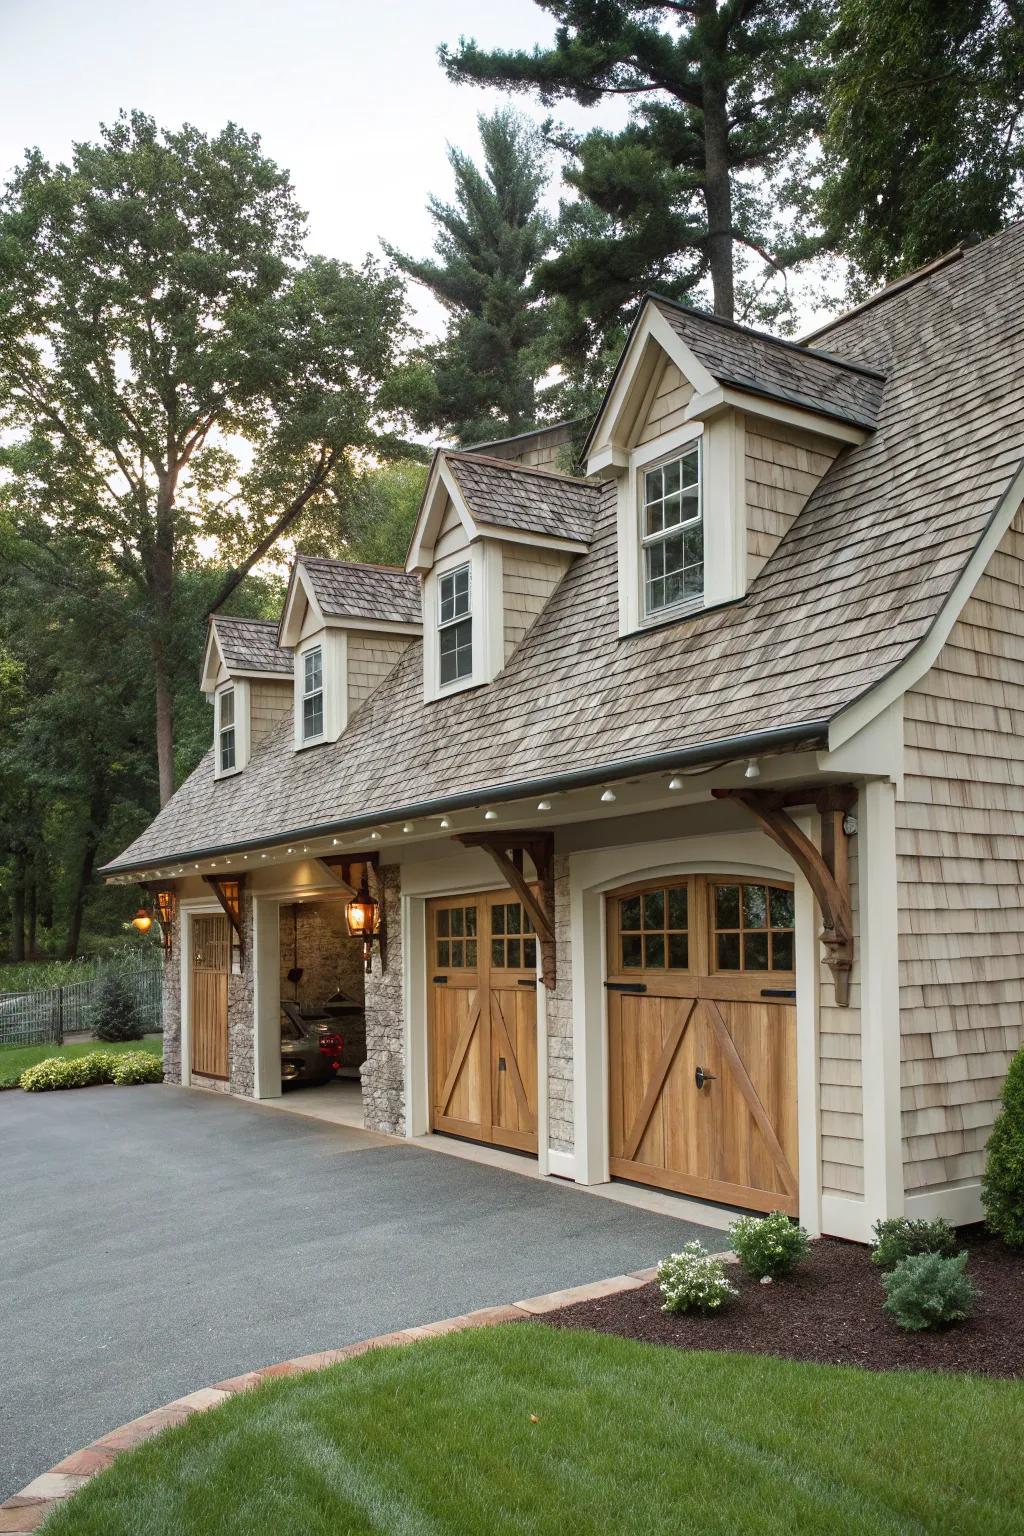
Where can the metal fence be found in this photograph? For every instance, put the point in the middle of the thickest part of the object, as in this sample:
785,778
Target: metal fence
45,1017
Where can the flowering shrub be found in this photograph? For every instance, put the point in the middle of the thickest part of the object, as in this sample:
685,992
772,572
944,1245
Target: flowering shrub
769,1246
95,1067
694,1281
137,1067
898,1239
927,1290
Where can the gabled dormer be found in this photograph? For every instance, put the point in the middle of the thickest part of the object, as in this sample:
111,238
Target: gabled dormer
247,678
492,541
717,436
346,625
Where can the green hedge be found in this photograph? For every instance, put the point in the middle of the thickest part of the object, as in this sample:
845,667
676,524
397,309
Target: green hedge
122,1067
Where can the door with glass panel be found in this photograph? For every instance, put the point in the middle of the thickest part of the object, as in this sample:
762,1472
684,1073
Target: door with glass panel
702,1038
482,1019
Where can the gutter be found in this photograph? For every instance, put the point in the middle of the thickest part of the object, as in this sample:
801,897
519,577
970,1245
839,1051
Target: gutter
749,745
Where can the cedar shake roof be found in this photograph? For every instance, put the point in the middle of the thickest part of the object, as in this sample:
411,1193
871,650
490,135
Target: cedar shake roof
765,365
250,645
346,590
503,495
850,592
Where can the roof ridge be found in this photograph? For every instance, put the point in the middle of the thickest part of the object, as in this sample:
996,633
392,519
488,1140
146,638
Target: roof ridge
779,341
241,618
355,565
517,437
520,469
898,285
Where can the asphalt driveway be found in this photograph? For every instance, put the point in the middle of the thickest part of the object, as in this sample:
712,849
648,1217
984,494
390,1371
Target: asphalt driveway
154,1240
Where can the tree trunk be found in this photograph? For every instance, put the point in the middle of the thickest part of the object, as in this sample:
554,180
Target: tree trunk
18,907
162,618
717,186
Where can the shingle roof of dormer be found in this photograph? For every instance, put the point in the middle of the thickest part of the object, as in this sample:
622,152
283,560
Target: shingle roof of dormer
347,590
783,370
250,645
503,495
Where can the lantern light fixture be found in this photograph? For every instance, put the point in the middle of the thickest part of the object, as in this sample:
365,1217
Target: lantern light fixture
142,922
362,914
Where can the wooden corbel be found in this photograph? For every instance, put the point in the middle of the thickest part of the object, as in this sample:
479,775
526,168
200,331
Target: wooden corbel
228,891
349,868
827,871
507,850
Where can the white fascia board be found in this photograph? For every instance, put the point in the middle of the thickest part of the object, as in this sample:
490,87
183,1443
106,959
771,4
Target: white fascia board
367,627
441,487
856,716
652,327
538,540
873,752
723,396
300,592
213,660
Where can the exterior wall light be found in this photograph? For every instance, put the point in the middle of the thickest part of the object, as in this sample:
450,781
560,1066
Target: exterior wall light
609,797
752,771
362,914
490,815
543,805
142,922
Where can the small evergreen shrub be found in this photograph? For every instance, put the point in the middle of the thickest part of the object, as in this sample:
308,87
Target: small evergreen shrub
769,1246
69,1072
928,1290
115,1014
1002,1184
693,1280
136,1067
898,1239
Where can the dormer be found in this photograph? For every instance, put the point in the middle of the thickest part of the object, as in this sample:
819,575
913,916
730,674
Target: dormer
346,625
717,435
492,541
247,678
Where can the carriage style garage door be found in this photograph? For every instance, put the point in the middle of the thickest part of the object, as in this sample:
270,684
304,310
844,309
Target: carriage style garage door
702,1039
211,950
482,1018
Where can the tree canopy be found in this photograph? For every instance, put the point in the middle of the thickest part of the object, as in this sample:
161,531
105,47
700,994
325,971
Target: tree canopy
174,370
479,380
925,134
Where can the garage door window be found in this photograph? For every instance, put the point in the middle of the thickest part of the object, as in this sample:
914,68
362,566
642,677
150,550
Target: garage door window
753,927
456,937
512,945
654,929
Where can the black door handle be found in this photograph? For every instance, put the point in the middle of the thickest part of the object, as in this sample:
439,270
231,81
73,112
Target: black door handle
625,986
701,1077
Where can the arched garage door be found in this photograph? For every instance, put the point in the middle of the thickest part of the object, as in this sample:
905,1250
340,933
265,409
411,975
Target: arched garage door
702,1038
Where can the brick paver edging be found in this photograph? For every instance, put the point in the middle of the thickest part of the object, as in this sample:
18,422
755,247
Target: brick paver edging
27,1510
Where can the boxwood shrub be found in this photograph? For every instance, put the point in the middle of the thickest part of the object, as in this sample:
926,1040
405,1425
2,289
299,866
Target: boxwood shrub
1002,1184
89,1070
898,1238
769,1246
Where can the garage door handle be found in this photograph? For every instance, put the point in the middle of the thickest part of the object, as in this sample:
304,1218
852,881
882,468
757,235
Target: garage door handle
778,991
625,986
441,981
530,981
701,1077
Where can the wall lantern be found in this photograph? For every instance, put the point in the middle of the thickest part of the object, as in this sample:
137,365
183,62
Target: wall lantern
162,911
363,916
142,922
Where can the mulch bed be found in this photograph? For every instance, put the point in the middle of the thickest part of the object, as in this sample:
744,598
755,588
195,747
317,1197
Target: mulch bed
829,1311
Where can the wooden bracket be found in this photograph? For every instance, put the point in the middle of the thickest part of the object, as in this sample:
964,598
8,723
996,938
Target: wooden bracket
349,869
507,850
827,871
228,891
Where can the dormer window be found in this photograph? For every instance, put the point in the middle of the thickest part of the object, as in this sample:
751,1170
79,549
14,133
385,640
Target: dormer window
226,730
672,534
313,693
455,626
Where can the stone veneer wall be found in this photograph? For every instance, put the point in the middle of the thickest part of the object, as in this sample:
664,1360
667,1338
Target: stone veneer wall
331,961
241,1028
383,1078
172,1004
559,1021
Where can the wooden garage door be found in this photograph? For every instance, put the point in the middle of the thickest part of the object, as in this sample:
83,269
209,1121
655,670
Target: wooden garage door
702,1039
482,1018
211,950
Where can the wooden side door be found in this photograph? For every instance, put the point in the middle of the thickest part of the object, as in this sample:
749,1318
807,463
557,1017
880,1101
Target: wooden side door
702,1039
482,1020
211,953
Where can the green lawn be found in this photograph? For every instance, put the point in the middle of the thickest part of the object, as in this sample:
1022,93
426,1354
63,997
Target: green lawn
15,1058
438,1439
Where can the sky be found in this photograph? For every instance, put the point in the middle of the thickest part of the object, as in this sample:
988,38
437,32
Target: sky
348,96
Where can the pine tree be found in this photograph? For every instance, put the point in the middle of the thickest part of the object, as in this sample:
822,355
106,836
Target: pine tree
480,380
726,97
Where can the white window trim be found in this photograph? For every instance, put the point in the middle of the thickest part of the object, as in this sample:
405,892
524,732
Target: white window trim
333,646
486,609
315,649
685,605
724,515
452,623
240,688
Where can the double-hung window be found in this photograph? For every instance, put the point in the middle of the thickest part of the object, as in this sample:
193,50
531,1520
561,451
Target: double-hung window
454,626
672,534
312,693
226,730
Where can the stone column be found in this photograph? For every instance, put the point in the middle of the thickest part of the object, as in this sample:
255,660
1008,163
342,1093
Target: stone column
383,1075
